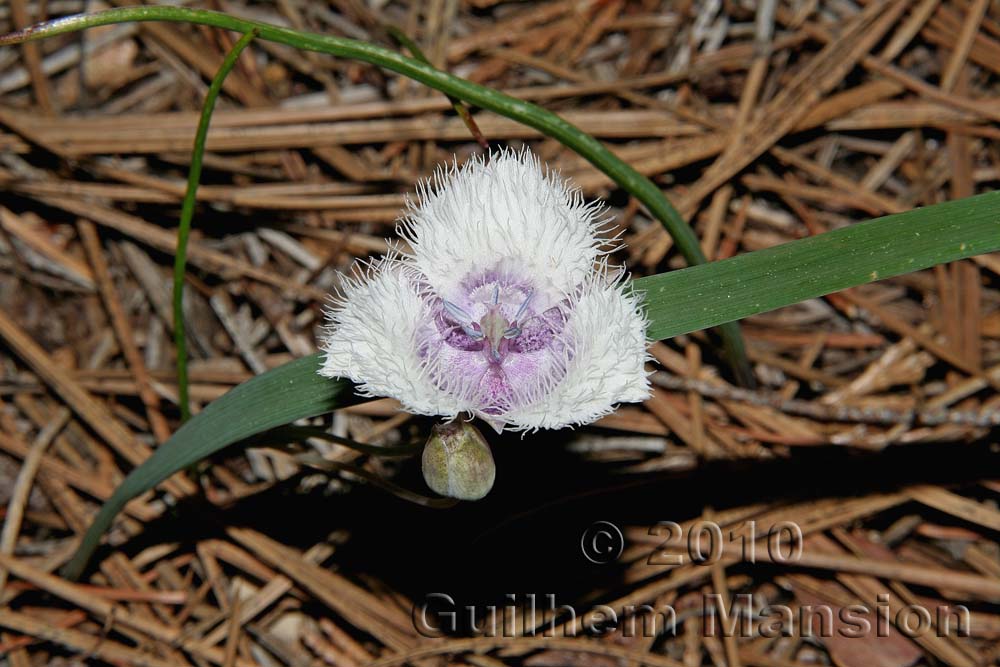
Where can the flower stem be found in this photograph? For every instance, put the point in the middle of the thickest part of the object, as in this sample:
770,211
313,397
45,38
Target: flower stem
187,213
319,463
294,433
527,113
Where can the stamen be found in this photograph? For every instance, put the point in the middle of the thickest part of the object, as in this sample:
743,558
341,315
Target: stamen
463,317
524,305
464,320
512,332
496,294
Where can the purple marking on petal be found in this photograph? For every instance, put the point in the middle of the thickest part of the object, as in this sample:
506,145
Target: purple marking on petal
537,332
481,291
487,341
453,333
522,370
495,390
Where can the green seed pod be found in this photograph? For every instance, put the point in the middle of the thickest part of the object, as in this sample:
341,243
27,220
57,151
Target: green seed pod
457,462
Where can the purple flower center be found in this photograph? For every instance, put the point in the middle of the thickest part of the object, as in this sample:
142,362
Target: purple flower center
493,334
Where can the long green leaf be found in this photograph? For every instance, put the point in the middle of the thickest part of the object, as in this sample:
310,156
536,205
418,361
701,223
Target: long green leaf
756,282
187,213
678,302
527,113
280,396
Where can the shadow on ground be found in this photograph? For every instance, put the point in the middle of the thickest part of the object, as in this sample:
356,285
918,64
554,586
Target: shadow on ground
525,536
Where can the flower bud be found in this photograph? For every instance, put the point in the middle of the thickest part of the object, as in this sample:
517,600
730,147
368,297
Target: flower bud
457,462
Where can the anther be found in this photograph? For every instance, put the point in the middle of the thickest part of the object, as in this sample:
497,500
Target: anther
456,312
524,306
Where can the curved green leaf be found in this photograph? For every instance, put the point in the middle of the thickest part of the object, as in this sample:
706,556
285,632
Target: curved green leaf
527,113
187,212
678,302
280,396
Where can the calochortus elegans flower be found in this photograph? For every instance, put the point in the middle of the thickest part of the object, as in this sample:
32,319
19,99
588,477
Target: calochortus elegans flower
504,307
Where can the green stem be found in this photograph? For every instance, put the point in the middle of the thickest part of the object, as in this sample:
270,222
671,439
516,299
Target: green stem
187,213
297,433
460,107
529,114
319,463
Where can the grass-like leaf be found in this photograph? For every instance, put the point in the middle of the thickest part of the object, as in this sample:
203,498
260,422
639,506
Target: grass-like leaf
460,107
280,396
677,302
527,113
756,282
695,298
187,213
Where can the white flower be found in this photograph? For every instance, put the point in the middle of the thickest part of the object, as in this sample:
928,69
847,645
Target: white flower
504,308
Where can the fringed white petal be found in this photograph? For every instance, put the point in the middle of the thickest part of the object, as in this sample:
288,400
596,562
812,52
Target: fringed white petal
509,207
492,240
373,335
605,339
